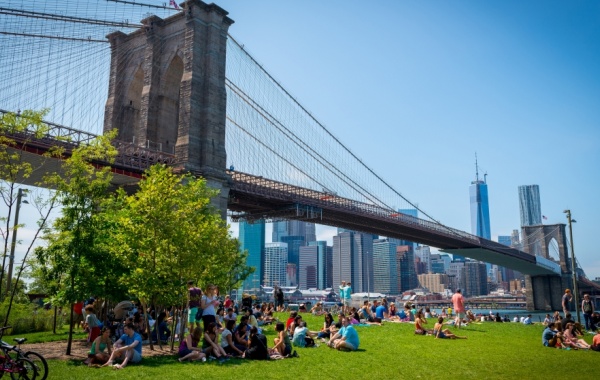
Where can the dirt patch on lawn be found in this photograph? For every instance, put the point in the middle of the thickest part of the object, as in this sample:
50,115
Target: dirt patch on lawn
80,349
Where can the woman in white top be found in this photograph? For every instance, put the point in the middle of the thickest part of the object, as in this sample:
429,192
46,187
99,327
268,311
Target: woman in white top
208,303
227,339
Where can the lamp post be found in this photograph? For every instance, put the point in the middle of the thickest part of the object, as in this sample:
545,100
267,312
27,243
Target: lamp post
20,194
573,265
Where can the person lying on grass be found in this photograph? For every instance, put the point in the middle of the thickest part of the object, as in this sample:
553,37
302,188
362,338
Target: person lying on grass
128,348
440,333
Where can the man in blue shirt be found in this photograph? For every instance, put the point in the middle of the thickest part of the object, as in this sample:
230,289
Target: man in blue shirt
128,348
346,338
381,312
551,338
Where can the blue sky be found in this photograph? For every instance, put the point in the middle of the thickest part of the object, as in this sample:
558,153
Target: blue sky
415,89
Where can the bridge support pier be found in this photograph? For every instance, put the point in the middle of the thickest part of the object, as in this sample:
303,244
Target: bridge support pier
545,292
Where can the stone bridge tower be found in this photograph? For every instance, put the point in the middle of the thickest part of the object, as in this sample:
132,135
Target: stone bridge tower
544,292
167,90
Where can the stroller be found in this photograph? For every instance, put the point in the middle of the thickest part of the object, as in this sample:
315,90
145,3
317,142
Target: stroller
116,318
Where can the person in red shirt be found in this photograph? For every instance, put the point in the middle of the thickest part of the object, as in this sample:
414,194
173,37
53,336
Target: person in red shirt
228,303
78,311
458,301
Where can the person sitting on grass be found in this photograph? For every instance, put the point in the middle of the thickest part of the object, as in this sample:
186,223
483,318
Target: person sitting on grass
128,348
346,339
317,309
302,337
326,329
210,343
596,343
240,336
101,349
257,346
282,342
290,320
161,329
419,322
571,339
440,333
551,337
227,340
189,350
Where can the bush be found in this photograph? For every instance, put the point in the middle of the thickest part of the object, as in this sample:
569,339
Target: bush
28,317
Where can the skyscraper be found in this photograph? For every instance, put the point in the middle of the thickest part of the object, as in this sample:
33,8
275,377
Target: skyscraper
293,228
480,209
529,205
275,269
252,239
353,260
323,263
385,272
308,267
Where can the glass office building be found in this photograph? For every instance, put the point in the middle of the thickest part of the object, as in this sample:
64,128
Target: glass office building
529,205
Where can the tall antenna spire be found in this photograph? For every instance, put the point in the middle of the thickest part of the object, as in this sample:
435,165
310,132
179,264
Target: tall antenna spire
476,168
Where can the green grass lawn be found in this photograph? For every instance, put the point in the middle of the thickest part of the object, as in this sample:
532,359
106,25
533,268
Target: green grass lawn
492,351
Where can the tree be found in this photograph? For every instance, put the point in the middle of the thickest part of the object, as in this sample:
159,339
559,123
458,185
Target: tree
73,253
17,131
169,233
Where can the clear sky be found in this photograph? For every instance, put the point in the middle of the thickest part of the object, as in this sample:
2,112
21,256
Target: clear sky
416,88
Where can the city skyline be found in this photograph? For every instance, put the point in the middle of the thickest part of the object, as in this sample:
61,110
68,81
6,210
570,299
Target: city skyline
422,87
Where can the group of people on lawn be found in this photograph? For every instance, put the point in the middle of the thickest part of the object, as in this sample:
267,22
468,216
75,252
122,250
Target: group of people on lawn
564,332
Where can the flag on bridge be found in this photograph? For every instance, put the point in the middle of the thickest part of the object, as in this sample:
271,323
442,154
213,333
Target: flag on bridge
174,4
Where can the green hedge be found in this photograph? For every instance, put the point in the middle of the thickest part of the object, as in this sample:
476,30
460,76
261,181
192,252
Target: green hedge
27,318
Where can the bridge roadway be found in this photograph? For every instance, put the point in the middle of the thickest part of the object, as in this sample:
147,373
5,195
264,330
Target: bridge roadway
253,197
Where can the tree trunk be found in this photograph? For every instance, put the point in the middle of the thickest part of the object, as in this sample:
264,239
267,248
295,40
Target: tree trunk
54,322
173,326
70,340
147,325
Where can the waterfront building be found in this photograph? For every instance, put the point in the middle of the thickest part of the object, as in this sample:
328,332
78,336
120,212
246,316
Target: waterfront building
252,240
275,268
529,205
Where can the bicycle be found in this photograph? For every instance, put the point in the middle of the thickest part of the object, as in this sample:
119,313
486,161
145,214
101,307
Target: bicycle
30,361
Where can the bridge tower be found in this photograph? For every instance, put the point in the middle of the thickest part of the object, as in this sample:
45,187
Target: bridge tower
167,90
544,292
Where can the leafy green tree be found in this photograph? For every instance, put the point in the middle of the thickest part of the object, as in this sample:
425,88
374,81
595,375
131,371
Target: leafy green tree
70,260
168,233
17,131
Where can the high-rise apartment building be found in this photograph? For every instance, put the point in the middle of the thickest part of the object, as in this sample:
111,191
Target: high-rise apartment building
385,273
308,270
407,278
475,279
434,282
276,264
353,260
324,262
529,205
252,239
424,253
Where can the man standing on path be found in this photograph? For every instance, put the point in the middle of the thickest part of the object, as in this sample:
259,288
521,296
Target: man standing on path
566,301
458,301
